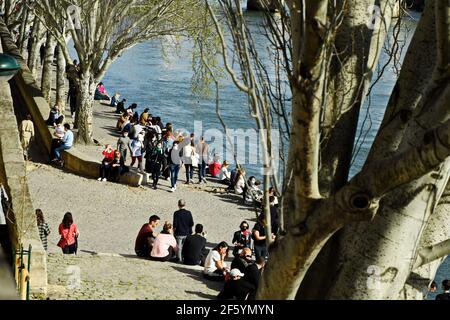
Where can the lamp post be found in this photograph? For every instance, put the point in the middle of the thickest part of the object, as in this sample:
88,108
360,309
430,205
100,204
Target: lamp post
8,67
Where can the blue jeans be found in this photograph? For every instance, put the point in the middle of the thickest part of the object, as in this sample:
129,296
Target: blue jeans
202,170
174,169
57,151
180,242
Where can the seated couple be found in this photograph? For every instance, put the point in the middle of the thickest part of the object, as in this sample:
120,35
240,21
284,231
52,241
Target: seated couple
162,247
112,166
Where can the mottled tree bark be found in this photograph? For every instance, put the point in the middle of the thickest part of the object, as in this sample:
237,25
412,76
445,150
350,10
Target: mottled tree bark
47,68
60,78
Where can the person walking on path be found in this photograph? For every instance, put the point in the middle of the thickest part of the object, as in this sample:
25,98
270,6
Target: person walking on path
182,225
43,228
69,235
26,135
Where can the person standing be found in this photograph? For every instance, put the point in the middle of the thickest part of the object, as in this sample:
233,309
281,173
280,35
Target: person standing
69,235
43,228
72,99
203,151
182,225
155,159
175,163
123,145
26,135
188,154
259,237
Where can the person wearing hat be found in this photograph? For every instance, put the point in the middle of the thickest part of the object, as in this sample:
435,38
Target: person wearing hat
237,288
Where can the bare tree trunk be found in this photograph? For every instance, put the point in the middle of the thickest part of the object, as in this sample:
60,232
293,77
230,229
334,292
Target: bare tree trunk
60,78
84,113
22,40
47,68
37,40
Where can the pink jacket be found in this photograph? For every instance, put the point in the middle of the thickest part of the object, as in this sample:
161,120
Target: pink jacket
162,244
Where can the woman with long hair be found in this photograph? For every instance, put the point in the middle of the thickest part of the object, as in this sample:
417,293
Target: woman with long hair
69,235
43,228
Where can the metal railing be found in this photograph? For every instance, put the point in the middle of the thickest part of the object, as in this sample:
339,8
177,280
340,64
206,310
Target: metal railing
22,273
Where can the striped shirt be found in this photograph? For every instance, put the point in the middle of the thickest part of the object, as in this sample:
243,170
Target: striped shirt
44,231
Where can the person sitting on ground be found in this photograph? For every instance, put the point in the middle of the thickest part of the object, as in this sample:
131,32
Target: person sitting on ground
100,93
117,167
272,193
121,107
143,119
242,238
224,174
66,144
130,109
243,260
43,228
146,236
115,100
194,250
54,114
122,121
165,245
254,270
214,167
123,145
69,235
237,288
240,182
252,193
215,267
107,161
446,294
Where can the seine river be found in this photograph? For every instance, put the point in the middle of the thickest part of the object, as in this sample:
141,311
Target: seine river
161,81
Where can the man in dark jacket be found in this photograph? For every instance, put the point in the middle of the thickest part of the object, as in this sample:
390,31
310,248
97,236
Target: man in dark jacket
182,225
194,251
253,272
446,288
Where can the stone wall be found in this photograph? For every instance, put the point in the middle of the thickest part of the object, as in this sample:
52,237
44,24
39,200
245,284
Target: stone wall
27,91
21,217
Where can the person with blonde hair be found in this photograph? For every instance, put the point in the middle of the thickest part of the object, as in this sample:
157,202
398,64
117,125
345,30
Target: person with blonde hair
26,135
165,246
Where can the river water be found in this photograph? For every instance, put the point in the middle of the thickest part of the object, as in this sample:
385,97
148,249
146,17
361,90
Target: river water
162,82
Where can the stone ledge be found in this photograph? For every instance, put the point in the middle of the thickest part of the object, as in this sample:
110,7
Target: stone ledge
39,109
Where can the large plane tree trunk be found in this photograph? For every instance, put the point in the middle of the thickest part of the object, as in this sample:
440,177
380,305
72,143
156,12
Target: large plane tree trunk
84,113
47,68
60,78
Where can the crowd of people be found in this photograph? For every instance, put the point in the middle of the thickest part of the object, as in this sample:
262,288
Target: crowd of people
178,242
